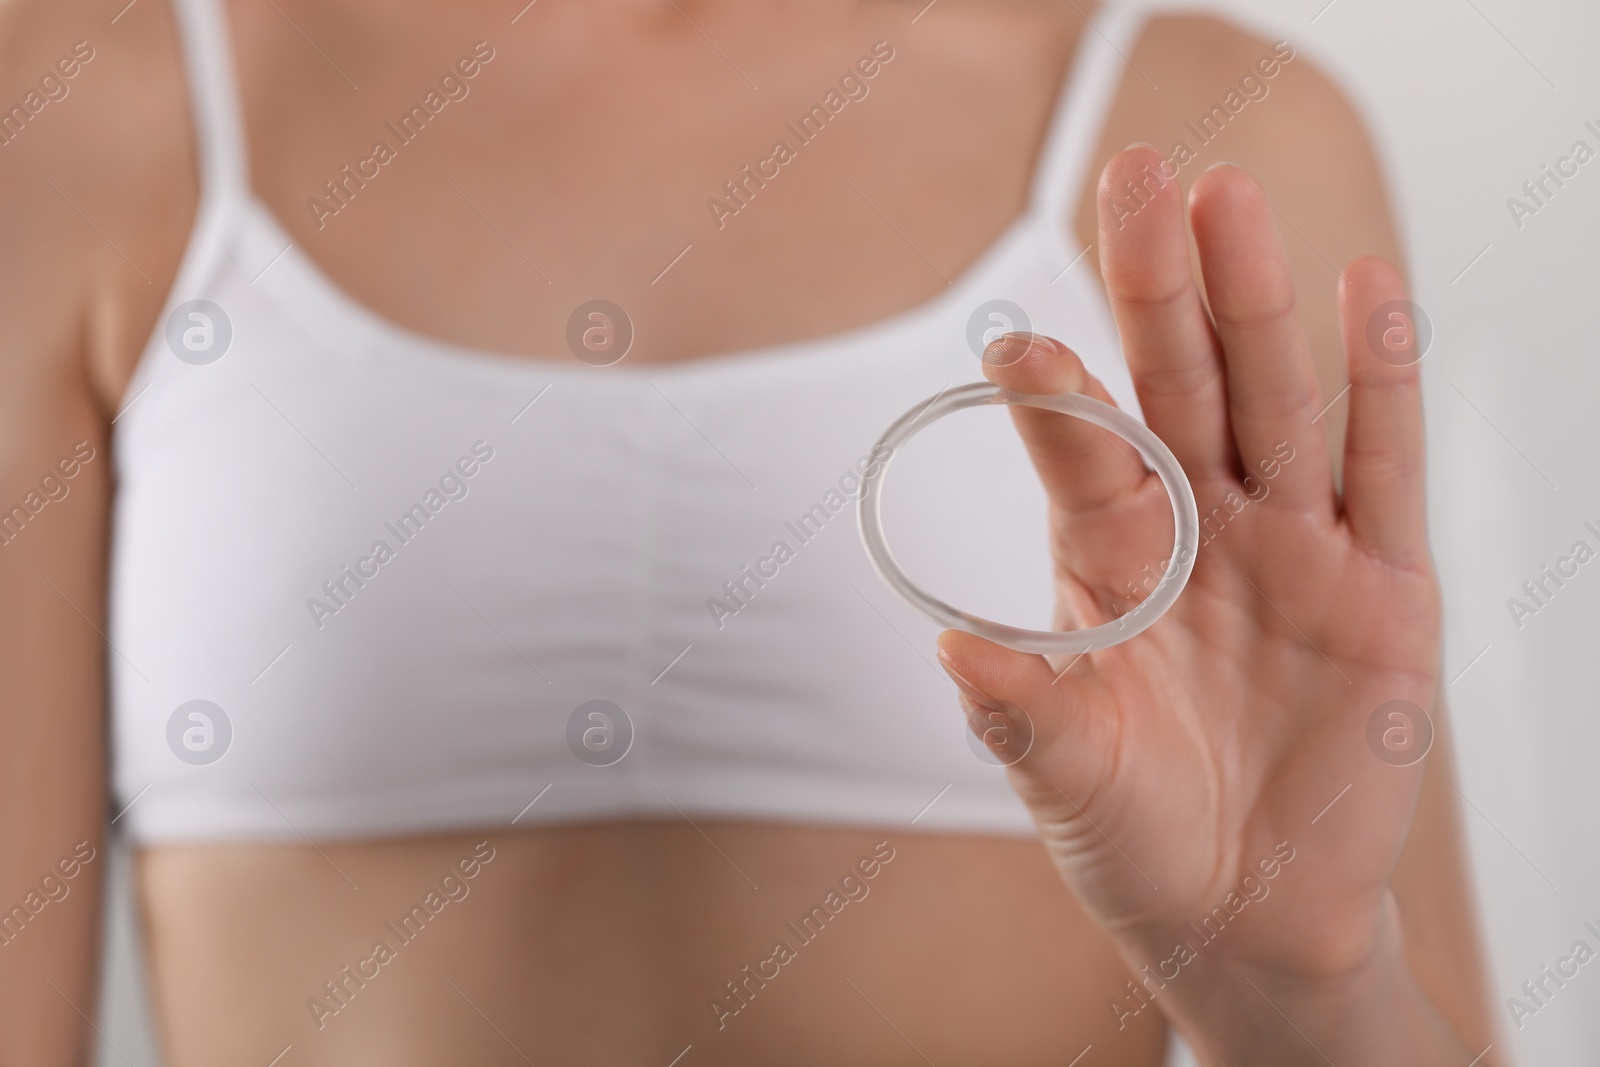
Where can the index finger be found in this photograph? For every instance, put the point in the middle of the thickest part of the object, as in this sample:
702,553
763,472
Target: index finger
1081,465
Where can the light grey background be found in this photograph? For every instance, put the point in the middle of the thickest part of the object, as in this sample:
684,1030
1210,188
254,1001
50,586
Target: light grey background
1467,99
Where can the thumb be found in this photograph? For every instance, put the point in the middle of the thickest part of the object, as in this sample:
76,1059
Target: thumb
1048,726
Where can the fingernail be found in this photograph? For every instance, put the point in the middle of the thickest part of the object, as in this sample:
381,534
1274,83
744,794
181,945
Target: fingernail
1219,163
1141,144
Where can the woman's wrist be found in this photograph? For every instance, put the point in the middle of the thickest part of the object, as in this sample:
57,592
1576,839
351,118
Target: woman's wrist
1243,1014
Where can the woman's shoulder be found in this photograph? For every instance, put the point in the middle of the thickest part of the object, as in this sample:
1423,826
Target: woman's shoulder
1204,89
97,181
1229,88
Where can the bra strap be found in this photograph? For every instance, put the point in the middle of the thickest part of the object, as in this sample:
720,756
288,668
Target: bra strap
213,96
1105,43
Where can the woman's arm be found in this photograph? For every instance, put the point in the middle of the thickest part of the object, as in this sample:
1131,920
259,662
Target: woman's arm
52,754
96,194
54,492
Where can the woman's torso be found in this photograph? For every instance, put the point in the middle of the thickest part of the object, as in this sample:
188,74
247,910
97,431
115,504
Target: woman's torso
602,941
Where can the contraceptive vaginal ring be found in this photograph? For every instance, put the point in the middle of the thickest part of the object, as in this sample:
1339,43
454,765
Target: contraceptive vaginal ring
1185,516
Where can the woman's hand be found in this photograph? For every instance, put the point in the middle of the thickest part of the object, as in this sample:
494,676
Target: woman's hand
1208,788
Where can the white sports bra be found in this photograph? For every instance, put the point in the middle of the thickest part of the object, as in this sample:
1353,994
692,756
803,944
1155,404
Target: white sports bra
368,583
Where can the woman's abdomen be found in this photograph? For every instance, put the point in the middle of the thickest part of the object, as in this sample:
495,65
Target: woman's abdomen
630,944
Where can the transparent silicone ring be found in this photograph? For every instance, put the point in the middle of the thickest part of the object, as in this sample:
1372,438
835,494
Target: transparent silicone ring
1186,521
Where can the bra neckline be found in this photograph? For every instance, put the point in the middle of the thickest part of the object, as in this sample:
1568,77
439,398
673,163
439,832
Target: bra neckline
299,276
230,213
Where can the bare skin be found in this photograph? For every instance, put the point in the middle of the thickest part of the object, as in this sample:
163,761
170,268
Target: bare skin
593,944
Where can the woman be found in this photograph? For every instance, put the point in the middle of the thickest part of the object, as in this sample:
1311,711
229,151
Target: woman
396,502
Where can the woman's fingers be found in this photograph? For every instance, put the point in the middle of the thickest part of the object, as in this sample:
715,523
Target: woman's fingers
1082,466
1167,339
1383,451
1272,384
